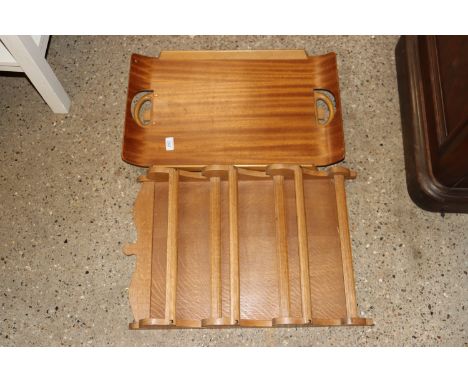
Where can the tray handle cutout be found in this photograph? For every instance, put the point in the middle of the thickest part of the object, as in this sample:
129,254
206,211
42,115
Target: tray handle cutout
142,112
320,114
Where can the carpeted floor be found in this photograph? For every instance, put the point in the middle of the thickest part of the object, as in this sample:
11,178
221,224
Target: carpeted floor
66,207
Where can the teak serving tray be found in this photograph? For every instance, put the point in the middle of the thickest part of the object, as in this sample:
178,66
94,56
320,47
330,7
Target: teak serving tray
192,109
229,246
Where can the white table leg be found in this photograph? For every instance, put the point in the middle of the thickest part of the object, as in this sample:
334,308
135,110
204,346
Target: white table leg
33,63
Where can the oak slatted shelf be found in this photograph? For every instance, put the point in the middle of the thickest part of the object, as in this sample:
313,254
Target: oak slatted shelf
229,246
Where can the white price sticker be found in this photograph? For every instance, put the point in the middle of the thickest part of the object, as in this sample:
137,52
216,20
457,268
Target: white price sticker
169,143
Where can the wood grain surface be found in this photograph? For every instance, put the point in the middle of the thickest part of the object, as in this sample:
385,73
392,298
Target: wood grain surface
206,290
140,287
244,111
432,73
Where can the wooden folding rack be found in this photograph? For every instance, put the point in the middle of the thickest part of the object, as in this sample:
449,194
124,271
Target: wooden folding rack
226,237
229,246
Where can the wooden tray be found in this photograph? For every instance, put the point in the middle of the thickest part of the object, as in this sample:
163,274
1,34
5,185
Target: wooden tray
229,246
245,108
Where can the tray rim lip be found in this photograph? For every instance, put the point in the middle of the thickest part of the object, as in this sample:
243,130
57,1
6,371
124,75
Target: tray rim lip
242,51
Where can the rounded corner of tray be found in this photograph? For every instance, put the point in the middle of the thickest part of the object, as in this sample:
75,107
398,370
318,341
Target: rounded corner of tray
330,54
137,58
324,56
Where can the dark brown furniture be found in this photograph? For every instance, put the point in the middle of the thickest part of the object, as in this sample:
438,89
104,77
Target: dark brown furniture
433,87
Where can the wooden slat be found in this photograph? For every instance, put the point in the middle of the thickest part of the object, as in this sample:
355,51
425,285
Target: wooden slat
281,246
234,246
171,269
346,254
215,222
303,244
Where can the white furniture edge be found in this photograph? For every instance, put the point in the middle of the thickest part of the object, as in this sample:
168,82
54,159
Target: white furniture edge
28,54
9,64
